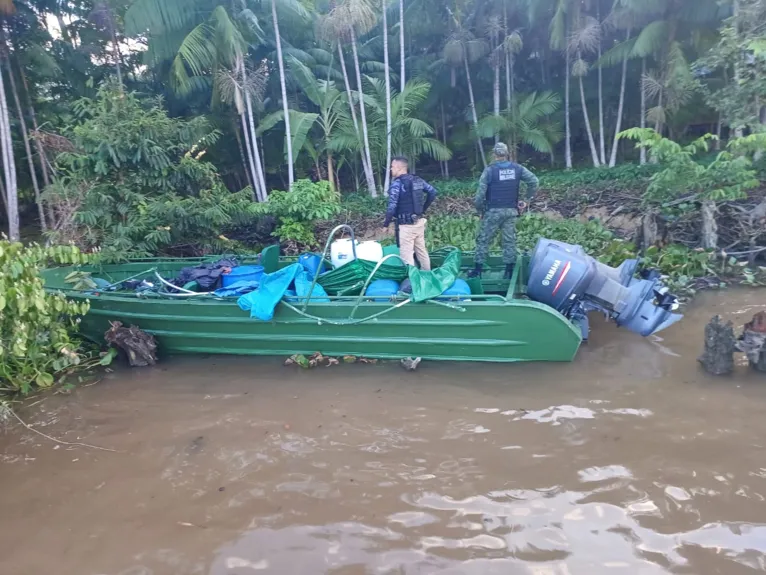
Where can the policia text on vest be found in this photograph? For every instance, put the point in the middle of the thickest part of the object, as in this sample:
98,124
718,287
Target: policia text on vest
497,201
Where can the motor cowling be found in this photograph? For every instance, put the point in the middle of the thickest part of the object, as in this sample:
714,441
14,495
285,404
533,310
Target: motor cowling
567,279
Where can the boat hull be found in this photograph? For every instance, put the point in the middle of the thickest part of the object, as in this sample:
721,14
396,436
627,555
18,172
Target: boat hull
488,328
466,331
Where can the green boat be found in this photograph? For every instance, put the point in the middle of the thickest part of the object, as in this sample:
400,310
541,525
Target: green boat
498,322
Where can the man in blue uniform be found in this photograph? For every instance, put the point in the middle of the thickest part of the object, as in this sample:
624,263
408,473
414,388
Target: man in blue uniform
408,199
498,204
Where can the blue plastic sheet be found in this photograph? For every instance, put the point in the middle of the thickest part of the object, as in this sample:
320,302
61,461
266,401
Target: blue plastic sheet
237,288
262,302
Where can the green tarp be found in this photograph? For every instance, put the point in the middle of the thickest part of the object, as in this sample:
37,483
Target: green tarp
428,285
349,279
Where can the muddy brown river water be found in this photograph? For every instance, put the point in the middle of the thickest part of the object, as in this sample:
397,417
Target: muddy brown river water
628,461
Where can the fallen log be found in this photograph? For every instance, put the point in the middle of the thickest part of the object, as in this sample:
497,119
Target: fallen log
140,347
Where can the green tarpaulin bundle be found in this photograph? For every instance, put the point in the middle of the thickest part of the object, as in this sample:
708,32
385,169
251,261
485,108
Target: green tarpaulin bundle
350,278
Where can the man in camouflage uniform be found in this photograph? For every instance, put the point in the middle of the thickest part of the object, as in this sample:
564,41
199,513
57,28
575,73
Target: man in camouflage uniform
497,201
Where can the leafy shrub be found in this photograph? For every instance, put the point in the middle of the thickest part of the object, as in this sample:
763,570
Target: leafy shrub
35,327
135,182
598,241
727,177
626,176
298,209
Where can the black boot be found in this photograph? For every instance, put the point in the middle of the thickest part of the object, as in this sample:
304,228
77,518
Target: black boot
475,272
509,271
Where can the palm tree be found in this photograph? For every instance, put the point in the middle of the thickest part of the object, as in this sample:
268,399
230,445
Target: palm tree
462,48
283,85
512,46
401,46
493,30
346,20
585,36
526,123
27,146
240,87
6,143
559,32
388,92
332,110
410,136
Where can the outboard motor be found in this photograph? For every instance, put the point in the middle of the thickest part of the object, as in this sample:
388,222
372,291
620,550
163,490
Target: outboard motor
567,279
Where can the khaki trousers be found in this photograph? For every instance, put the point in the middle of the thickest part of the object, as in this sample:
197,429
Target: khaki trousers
412,241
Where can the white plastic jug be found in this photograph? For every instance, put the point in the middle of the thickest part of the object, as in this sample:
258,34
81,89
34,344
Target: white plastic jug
371,251
341,252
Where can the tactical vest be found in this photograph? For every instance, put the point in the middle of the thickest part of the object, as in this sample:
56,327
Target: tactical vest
411,199
503,185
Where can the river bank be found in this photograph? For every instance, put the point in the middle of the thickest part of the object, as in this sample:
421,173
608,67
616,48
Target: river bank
629,460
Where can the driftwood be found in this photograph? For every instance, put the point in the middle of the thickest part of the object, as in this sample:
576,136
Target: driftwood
753,342
139,346
720,345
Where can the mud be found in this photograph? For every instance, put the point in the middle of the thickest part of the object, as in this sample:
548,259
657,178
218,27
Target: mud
629,461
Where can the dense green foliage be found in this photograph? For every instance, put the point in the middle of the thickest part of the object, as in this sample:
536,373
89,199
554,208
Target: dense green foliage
135,182
35,327
298,210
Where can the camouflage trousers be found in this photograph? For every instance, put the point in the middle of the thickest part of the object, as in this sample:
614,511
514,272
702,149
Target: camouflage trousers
493,221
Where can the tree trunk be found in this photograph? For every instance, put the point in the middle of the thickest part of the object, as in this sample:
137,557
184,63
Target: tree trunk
567,126
642,123
496,95
330,171
243,157
117,59
508,77
620,108
63,29
444,140
709,225
249,162
591,142
27,147
9,164
718,132
42,158
260,180
366,141
472,104
388,98
402,79
4,196
601,127
349,95
283,85
738,132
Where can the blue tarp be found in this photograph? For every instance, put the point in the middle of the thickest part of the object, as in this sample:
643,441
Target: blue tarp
237,288
262,302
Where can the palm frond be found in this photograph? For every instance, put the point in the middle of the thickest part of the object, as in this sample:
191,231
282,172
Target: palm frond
580,68
270,121
538,139
513,43
586,36
196,54
228,38
490,125
651,39
305,79
159,16
615,56
300,125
